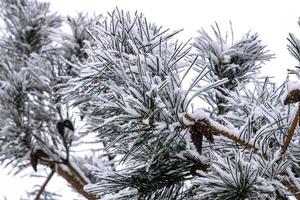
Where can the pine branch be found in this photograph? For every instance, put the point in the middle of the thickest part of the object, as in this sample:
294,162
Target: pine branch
240,142
73,170
77,185
44,185
292,188
250,146
230,136
290,184
72,176
290,133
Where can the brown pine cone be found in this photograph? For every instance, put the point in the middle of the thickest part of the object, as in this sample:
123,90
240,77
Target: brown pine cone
60,126
33,161
68,124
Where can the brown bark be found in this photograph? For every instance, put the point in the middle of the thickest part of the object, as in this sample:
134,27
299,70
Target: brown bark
75,183
73,170
240,142
291,132
292,188
288,182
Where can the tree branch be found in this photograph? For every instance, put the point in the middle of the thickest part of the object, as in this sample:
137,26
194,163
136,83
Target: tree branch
67,171
44,185
240,142
290,133
289,183
77,185
73,170
230,136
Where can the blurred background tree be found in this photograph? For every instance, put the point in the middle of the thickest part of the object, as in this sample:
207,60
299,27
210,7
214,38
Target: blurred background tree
37,128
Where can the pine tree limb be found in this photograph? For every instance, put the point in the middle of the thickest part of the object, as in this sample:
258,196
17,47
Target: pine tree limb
290,133
290,184
231,137
67,171
73,170
291,187
44,185
76,185
240,142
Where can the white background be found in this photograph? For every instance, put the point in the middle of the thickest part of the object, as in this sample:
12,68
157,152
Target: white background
273,20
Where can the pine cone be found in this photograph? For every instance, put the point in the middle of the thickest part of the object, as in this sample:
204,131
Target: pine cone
292,97
61,128
41,154
197,139
37,155
33,161
68,124
198,130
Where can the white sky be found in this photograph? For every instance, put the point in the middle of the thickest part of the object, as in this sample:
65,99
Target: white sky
273,20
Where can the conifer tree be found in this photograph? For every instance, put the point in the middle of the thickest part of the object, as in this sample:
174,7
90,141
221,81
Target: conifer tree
123,79
36,126
240,144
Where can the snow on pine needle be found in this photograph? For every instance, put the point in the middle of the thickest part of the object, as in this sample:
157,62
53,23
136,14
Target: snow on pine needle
238,178
137,103
239,61
131,91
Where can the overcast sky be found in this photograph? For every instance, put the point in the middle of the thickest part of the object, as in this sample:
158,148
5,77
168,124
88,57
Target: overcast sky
273,20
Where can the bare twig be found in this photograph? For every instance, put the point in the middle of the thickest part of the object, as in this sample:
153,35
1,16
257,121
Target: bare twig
44,185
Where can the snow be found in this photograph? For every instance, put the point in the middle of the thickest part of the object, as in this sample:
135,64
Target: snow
226,59
131,111
159,126
136,51
173,126
134,68
78,170
290,87
129,108
200,114
293,178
